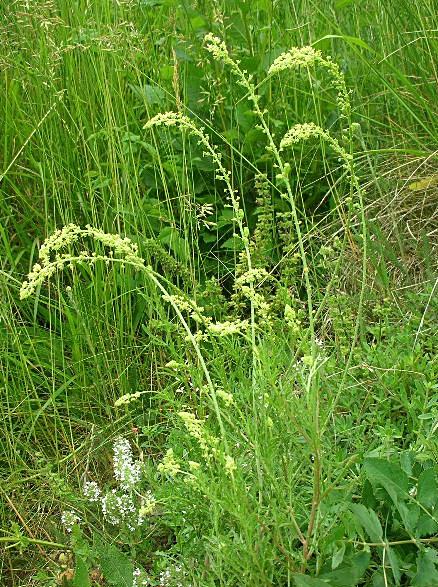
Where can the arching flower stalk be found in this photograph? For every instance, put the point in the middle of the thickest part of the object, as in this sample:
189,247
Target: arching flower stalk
183,122
55,255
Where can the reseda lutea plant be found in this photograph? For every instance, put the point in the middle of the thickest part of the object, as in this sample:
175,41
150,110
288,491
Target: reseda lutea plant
218,459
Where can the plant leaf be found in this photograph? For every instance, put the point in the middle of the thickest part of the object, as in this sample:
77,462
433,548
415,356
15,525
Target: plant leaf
351,572
115,565
81,578
393,561
305,581
369,521
338,556
427,493
389,476
427,574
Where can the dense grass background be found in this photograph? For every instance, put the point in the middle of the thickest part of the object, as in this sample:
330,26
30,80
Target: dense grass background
79,81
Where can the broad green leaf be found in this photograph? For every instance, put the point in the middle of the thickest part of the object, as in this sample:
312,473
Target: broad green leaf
369,521
427,493
409,514
389,476
426,526
169,235
198,22
233,244
152,94
427,574
338,556
406,460
115,565
351,571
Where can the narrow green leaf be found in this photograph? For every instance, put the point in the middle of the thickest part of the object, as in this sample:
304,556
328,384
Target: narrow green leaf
349,40
305,581
395,566
81,578
338,556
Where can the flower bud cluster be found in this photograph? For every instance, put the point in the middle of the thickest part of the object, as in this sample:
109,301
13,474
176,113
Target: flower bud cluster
51,259
298,57
307,130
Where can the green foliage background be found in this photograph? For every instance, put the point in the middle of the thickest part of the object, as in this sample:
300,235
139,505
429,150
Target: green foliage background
79,81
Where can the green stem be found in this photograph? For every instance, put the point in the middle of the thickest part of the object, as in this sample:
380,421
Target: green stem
18,541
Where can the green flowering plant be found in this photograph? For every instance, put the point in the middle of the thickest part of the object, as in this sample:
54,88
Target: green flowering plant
211,457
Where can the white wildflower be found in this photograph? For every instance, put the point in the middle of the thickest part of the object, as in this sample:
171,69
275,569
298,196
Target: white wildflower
91,490
118,508
139,579
69,519
126,471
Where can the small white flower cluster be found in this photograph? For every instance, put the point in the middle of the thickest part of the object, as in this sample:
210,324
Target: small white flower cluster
126,471
139,579
173,576
91,491
119,508
123,505
69,519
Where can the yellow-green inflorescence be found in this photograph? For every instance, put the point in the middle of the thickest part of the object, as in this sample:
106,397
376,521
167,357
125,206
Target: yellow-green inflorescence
54,254
308,130
299,57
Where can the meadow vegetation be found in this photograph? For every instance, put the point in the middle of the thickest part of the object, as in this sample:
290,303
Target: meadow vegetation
218,280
